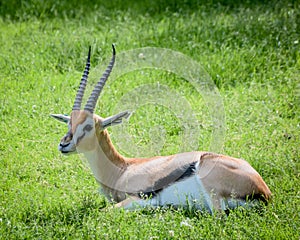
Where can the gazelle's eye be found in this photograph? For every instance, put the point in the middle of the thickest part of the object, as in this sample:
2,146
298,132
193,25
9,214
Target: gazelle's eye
88,128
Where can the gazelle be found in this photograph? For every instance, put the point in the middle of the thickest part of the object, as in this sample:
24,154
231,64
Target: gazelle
201,179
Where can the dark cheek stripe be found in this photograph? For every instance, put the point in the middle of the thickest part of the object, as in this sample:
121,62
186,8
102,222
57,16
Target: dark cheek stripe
86,128
80,138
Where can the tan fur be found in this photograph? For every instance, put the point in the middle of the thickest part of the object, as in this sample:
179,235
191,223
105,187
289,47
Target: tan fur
225,177
108,147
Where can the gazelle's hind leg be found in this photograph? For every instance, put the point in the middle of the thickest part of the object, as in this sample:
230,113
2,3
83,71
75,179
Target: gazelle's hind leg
227,178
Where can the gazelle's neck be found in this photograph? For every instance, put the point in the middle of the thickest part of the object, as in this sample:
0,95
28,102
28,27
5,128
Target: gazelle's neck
105,162
109,150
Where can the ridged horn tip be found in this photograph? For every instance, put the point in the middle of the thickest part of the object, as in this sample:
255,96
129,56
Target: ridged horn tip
83,82
91,103
114,50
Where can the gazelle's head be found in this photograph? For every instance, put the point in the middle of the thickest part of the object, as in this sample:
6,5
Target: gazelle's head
83,124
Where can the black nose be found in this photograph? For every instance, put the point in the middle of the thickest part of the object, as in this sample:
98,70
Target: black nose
62,145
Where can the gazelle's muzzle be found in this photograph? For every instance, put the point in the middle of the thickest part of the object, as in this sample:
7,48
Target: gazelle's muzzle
67,144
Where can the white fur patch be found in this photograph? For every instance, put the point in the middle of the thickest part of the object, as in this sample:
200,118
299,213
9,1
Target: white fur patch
186,193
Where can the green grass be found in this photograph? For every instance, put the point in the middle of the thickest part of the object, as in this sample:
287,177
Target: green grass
251,51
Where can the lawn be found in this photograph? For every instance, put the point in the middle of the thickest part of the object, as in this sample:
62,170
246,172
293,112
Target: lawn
248,51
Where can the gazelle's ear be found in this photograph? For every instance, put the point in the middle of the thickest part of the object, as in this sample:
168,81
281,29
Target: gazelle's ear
61,117
115,119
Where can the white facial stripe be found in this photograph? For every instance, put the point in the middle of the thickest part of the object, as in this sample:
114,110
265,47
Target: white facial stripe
79,134
82,130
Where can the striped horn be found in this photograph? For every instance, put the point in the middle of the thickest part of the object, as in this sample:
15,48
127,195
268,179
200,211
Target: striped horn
91,103
83,82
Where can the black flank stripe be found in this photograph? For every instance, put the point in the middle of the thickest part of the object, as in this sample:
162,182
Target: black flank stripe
159,186
188,172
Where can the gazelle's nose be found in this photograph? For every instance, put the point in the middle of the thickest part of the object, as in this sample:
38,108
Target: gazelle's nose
63,145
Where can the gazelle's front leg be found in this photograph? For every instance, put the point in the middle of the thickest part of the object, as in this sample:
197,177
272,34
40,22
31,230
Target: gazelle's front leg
133,202
127,201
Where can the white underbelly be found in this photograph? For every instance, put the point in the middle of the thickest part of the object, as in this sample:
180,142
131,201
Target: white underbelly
186,193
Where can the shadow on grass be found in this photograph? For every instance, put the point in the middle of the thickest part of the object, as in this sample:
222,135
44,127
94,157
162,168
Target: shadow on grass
61,214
